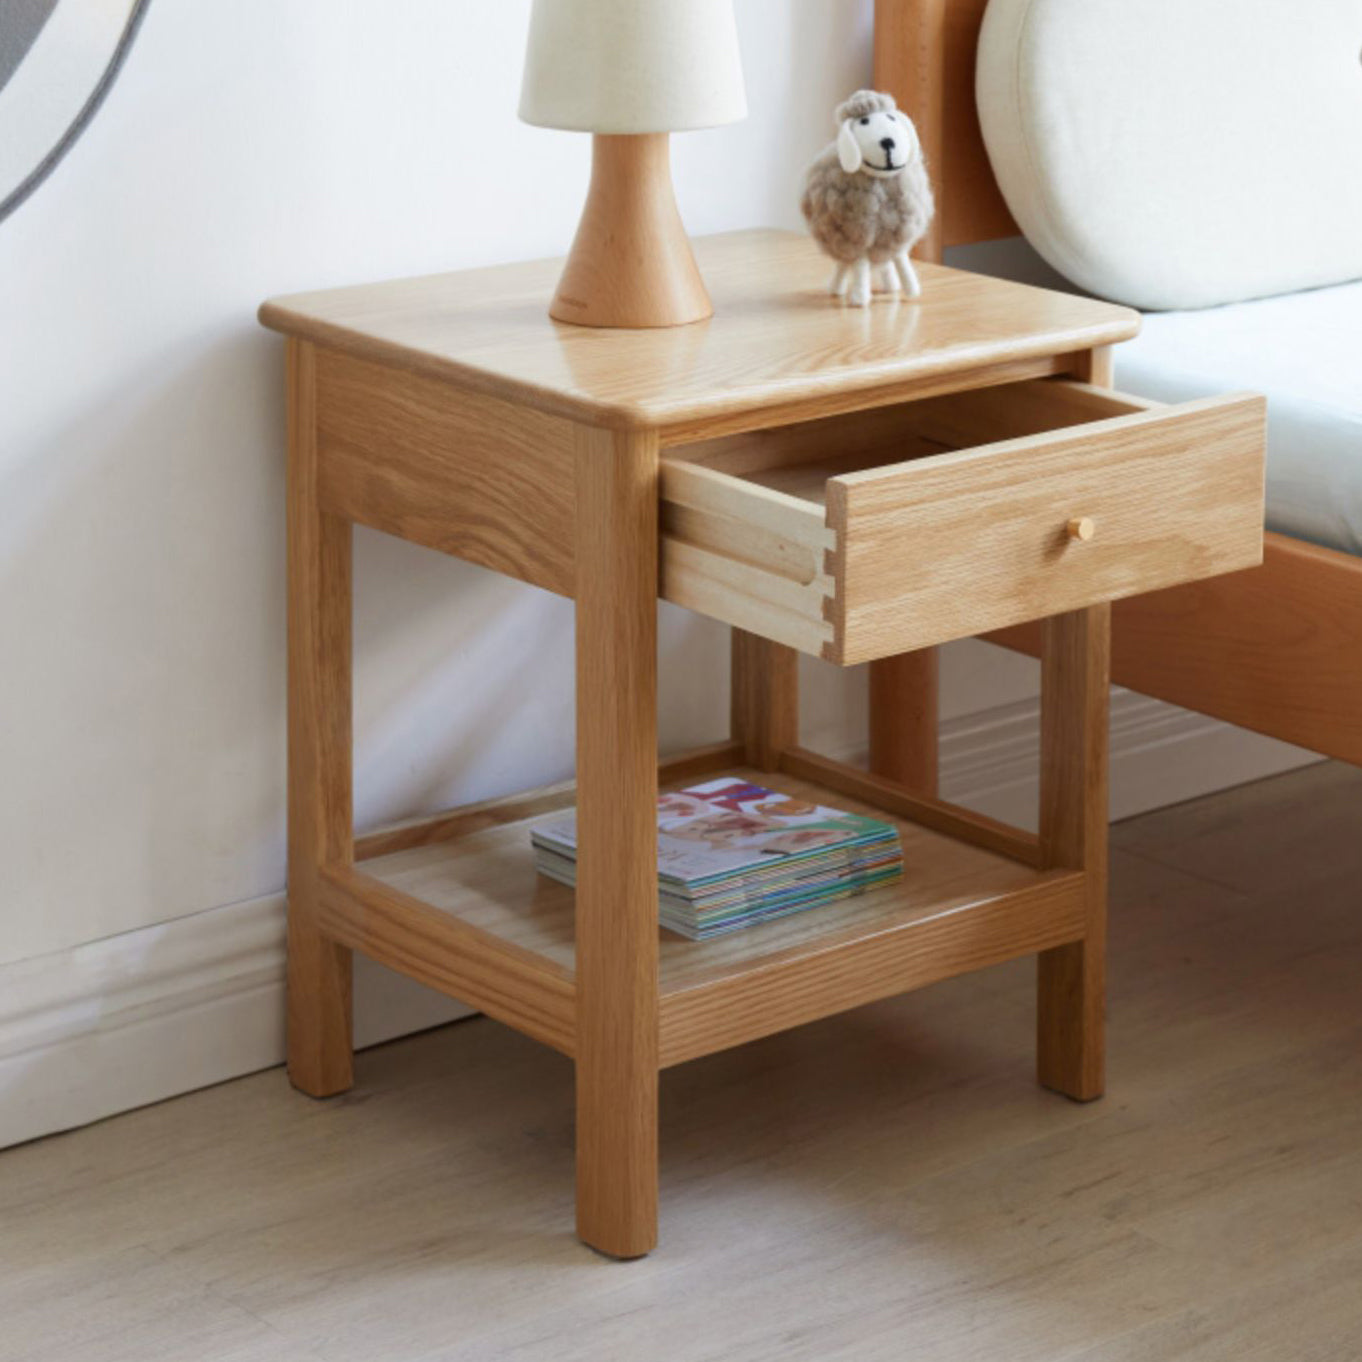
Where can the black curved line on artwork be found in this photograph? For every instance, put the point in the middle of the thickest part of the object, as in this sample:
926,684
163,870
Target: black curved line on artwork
68,139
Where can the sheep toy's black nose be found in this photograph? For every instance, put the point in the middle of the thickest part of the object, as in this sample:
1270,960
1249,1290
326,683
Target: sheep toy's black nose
887,143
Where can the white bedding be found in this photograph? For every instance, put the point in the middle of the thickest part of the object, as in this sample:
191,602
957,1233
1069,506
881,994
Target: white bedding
1304,350
1179,153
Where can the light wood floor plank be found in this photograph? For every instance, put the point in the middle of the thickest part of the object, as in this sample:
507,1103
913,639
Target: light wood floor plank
885,1184
1263,837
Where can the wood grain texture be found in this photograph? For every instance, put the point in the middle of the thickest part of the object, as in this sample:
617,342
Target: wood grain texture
774,455
631,263
955,540
487,879
465,473
319,762
486,883
764,699
447,407
889,1164
909,63
925,57
951,546
1277,649
744,554
1201,645
1007,412
746,595
743,543
494,975
904,737
778,349
907,953
1098,366
1071,1001
831,402
495,813
904,696
774,529
891,796
616,899
465,821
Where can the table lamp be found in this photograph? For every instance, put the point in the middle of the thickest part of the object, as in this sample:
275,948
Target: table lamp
631,72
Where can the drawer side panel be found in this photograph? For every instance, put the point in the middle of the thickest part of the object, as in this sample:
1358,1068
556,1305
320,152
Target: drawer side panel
746,555
470,475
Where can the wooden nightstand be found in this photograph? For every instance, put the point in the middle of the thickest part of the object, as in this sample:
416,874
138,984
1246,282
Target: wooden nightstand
853,483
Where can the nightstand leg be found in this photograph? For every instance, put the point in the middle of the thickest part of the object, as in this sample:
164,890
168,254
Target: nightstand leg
319,804
1096,366
617,929
1075,673
903,719
765,698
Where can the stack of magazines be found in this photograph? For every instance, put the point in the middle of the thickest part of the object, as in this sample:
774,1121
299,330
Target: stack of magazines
731,854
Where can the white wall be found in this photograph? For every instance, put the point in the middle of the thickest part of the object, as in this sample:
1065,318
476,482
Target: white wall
247,150
251,149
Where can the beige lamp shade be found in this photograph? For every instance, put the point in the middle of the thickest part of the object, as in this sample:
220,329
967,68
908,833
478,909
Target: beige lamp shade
632,66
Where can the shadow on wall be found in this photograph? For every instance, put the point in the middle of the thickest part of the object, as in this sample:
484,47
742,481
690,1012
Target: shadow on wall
464,678
466,687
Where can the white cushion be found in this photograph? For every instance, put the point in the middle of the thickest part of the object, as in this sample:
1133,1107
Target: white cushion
1179,153
1304,350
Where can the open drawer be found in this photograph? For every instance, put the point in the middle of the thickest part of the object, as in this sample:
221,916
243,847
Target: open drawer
860,536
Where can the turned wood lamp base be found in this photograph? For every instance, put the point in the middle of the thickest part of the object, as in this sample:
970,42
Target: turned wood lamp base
631,263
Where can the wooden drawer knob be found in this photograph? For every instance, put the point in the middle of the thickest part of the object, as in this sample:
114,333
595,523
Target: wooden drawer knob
1081,529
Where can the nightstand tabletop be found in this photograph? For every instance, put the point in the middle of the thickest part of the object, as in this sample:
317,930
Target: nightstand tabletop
776,337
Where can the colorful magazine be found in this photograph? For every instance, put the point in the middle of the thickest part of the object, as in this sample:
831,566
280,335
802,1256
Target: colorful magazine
731,853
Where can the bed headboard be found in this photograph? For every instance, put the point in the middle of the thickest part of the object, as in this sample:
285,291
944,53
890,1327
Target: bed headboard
924,57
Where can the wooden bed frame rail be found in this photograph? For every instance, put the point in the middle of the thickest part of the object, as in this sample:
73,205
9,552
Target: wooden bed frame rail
1277,649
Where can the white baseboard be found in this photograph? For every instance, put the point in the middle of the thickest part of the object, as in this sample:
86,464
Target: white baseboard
148,1014
136,1018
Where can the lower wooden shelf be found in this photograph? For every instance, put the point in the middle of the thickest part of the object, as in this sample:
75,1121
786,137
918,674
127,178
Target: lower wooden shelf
471,917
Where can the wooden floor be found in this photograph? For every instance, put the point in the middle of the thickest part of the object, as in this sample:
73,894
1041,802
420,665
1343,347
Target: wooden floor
886,1185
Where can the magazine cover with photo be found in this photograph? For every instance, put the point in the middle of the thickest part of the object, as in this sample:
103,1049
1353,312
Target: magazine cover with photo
728,825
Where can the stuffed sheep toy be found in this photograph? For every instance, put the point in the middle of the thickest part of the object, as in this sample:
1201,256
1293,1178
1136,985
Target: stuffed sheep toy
867,198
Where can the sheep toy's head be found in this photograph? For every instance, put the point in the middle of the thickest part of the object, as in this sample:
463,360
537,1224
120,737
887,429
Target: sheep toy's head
874,136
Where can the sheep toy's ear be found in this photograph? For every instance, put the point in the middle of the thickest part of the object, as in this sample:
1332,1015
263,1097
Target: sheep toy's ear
848,148
914,145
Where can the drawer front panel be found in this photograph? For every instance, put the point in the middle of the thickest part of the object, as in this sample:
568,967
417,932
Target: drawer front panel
961,543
